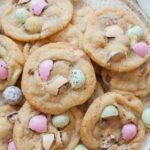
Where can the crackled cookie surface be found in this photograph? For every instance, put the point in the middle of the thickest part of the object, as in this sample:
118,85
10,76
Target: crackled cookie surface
11,62
70,34
81,15
116,39
27,20
8,116
57,77
113,122
36,131
137,81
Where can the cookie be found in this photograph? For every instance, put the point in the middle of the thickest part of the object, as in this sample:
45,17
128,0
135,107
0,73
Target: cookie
70,34
3,6
37,131
113,122
137,81
83,9
116,39
8,116
99,4
29,21
30,47
57,77
81,16
11,62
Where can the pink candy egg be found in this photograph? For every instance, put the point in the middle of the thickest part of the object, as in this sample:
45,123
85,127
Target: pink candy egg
38,124
44,69
11,146
129,131
3,70
141,49
36,6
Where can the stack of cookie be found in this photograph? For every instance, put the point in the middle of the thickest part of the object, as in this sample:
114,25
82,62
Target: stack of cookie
73,75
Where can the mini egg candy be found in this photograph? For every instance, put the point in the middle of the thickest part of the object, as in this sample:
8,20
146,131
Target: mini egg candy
45,68
77,78
146,117
135,31
21,15
36,8
60,121
38,124
141,49
80,147
12,95
129,131
3,70
11,145
109,111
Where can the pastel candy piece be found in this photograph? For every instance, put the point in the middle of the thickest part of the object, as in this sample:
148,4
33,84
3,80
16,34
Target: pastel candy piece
109,111
3,70
60,121
141,49
80,147
77,78
11,146
36,8
113,31
44,69
38,124
129,131
136,31
12,95
21,15
146,117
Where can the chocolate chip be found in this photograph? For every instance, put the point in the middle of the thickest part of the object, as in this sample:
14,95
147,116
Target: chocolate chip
108,78
30,72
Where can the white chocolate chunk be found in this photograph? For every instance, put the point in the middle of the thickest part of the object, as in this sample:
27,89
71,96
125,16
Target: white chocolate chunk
116,56
54,85
48,140
113,31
